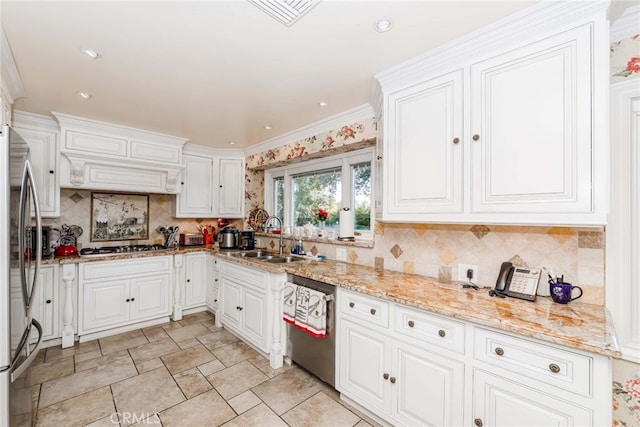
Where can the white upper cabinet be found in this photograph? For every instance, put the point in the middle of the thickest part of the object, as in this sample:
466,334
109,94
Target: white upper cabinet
42,135
230,187
499,127
196,197
531,128
425,164
212,184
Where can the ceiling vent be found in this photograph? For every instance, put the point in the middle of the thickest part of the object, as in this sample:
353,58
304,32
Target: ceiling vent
287,12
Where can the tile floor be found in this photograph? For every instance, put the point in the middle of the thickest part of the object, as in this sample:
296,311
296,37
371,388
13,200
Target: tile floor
186,373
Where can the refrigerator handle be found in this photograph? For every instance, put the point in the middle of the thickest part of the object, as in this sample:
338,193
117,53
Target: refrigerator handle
28,181
18,369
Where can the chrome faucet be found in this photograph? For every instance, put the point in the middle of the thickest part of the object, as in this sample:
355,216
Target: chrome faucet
281,245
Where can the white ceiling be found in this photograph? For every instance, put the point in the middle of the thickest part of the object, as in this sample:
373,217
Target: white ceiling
215,71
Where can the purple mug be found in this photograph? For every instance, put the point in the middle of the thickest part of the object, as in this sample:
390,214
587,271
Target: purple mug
561,292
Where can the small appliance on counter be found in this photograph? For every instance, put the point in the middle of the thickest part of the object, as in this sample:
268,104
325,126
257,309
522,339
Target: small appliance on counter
247,241
46,243
228,238
191,239
68,241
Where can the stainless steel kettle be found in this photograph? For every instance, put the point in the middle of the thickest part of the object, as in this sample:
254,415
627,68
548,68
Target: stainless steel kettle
228,238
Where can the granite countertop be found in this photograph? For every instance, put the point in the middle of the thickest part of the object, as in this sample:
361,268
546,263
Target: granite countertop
577,325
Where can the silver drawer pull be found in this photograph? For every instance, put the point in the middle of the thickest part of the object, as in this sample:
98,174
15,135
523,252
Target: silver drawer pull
411,323
393,380
373,311
352,304
442,333
478,422
385,376
554,368
499,351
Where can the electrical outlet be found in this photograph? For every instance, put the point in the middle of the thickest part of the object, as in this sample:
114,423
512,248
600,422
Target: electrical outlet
341,254
462,272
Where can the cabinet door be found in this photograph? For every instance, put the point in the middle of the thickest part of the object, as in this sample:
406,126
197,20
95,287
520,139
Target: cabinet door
231,187
423,155
531,121
196,197
500,402
429,388
231,298
364,363
195,283
149,296
47,304
104,304
43,153
254,317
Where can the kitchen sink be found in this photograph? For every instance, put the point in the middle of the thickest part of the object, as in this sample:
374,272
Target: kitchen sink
251,254
284,259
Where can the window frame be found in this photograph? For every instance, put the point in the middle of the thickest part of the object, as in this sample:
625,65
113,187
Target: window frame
343,161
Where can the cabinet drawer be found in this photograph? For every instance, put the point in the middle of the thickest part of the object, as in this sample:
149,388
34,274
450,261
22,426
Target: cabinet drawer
424,327
125,267
244,275
550,365
369,309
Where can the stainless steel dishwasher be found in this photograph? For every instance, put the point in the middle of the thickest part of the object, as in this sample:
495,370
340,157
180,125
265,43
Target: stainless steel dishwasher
316,355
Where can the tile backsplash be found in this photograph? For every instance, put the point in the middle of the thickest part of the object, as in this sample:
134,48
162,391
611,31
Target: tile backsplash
75,208
436,250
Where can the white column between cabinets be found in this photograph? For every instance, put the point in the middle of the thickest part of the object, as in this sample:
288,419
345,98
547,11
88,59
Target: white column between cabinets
68,276
178,262
276,353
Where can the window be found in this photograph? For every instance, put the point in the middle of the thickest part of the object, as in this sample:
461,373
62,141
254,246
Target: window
295,193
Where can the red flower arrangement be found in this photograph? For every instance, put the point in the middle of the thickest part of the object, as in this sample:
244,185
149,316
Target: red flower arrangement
322,214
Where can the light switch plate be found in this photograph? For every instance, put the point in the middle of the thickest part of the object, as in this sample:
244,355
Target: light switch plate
341,254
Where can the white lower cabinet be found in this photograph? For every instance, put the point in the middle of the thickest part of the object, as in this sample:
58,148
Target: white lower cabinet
122,292
399,381
195,279
245,303
500,402
45,307
411,367
212,281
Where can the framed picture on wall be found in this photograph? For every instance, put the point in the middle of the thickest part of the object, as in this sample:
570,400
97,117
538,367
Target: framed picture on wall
116,216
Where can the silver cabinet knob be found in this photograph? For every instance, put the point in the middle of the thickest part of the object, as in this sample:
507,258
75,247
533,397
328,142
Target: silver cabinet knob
351,304
442,333
456,140
385,376
554,368
393,380
476,137
373,311
499,351
411,323
478,422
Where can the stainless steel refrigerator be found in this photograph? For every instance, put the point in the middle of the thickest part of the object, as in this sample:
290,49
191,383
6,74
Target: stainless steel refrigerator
20,333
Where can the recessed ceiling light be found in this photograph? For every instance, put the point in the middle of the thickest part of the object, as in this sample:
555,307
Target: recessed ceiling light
91,53
85,94
232,142
382,25
268,127
322,104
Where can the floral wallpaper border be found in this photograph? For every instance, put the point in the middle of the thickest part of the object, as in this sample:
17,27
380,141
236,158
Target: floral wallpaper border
625,59
348,137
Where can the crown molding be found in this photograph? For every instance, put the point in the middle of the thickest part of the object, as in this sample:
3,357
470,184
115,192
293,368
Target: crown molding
201,150
364,111
523,26
24,119
12,86
627,25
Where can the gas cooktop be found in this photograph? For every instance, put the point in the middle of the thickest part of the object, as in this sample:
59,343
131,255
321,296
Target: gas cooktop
117,250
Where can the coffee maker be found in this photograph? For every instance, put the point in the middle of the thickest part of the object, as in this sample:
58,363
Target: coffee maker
247,240
46,244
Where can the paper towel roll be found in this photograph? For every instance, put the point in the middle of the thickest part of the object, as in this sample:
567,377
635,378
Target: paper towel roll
346,223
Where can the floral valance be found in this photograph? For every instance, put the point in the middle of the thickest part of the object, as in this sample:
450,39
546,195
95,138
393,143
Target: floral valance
348,138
